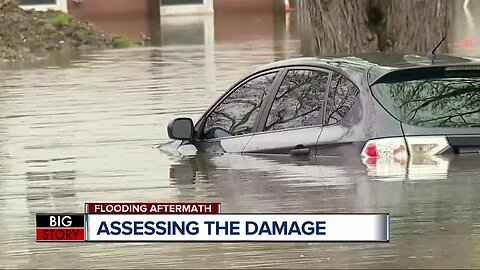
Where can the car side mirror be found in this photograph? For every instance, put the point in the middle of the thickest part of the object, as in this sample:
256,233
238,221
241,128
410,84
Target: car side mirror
181,129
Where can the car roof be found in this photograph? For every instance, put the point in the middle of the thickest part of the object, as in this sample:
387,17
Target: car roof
375,65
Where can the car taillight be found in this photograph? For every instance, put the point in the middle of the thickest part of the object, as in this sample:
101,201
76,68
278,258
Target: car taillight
397,147
387,147
427,145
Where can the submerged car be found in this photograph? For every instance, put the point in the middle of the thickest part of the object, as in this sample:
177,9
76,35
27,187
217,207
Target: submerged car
372,105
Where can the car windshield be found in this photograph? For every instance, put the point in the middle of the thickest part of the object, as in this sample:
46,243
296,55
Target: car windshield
434,102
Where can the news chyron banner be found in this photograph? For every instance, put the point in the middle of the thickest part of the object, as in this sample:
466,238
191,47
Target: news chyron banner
203,222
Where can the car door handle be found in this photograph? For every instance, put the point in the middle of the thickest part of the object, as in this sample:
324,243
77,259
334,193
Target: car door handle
300,150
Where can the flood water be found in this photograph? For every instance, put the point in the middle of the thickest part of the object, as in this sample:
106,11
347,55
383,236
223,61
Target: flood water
87,131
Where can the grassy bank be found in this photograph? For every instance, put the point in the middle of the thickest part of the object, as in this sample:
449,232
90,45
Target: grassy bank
26,34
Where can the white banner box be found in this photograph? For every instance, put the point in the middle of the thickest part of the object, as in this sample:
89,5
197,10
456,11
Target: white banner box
239,228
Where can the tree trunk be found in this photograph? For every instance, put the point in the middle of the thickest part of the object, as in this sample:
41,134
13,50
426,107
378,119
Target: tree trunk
340,26
355,26
418,26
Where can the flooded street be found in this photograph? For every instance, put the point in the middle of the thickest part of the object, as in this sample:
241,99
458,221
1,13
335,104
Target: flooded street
88,130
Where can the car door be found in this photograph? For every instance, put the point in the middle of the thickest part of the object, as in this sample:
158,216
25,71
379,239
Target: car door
292,123
230,123
343,133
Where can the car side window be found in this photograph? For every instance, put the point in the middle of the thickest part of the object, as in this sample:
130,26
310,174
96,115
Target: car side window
341,97
236,114
299,100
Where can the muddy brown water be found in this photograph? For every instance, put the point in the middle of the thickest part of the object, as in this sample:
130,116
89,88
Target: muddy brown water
87,130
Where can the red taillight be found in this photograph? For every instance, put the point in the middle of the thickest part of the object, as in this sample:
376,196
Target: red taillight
370,161
396,147
390,156
371,150
385,147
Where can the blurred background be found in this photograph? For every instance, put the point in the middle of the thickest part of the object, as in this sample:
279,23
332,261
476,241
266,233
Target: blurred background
85,128
356,26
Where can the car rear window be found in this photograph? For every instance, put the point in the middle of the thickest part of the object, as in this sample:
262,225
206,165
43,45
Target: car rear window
432,102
